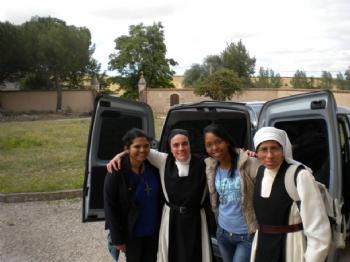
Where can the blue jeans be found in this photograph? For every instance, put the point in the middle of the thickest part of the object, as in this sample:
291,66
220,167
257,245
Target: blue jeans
234,247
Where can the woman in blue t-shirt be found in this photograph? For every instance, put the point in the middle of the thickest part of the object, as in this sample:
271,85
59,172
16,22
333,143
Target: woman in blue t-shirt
231,178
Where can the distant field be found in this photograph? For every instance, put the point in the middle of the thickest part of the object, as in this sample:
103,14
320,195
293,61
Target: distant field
42,155
45,155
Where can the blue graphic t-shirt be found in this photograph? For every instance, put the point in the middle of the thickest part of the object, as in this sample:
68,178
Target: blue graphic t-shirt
230,202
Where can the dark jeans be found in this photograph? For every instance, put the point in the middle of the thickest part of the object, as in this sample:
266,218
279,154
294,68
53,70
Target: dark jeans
234,247
142,249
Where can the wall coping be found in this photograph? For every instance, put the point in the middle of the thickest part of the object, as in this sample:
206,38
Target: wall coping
40,196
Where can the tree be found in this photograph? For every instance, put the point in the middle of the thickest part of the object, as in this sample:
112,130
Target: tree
11,54
340,82
46,52
326,80
220,85
311,82
275,79
235,59
347,78
193,74
212,63
263,78
347,74
142,50
61,52
299,80
268,79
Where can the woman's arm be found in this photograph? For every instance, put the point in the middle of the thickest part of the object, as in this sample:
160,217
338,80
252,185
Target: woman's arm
115,162
314,218
154,157
157,158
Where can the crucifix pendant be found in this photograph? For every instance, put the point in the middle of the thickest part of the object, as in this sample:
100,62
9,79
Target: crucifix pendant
147,189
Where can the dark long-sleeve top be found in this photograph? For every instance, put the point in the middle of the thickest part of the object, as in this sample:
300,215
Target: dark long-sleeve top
123,210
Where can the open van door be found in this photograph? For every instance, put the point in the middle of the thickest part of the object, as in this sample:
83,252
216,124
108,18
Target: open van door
310,121
237,118
344,130
111,119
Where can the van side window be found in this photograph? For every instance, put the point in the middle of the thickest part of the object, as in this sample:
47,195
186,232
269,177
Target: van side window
113,126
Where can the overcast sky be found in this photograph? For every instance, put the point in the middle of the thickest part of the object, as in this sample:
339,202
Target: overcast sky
283,35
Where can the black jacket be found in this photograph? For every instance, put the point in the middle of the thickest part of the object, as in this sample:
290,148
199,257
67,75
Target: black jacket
121,210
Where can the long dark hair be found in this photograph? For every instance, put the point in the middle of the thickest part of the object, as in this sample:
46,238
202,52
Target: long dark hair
222,133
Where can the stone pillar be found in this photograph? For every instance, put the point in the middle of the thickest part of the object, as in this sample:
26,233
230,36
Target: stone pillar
95,84
142,86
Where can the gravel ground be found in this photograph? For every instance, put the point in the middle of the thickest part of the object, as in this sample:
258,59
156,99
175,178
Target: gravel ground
53,231
50,231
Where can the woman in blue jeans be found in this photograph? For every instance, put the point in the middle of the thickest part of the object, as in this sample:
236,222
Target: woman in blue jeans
231,178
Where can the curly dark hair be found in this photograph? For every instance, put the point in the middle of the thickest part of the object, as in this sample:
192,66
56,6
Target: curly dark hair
133,133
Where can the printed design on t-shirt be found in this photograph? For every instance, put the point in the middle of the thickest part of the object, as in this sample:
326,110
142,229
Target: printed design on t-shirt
228,188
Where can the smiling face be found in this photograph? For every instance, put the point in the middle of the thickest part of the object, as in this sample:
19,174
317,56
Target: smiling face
216,147
139,150
270,154
180,147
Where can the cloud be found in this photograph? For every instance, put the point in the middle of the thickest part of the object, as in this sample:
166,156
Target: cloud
20,16
311,35
138,12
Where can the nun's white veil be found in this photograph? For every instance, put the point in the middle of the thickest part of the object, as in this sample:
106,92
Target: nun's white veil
280,136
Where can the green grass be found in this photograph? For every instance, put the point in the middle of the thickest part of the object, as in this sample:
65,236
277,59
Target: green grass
42,155
37,156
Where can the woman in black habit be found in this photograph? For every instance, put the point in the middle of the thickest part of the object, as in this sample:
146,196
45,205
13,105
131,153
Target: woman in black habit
184,232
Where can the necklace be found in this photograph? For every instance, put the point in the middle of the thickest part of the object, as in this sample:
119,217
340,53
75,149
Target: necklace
138,169
147,188
144,179
142,170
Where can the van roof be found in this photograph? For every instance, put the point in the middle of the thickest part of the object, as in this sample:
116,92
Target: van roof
343,109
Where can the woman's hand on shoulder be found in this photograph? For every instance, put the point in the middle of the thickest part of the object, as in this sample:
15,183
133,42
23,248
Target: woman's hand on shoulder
115,162
249,152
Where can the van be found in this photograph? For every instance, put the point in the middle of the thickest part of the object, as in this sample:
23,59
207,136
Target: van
319,132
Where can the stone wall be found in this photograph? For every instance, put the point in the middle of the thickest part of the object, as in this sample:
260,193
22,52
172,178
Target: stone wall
159,99
79,101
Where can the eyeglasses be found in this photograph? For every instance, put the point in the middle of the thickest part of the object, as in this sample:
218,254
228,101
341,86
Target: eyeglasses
273,150
216,143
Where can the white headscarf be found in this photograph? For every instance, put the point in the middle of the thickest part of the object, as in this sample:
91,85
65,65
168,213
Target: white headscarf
280,136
